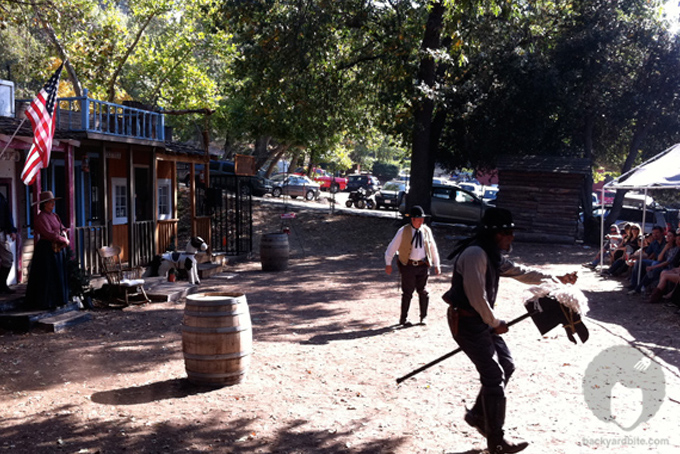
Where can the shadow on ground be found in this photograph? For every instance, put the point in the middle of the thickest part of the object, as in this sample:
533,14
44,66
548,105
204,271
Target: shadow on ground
64,433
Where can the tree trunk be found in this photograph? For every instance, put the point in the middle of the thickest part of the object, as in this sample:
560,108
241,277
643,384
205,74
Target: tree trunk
591,230
52,36
422,160
261,151
638,136
112,82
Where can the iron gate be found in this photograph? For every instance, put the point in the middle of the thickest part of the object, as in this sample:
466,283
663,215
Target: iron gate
229,204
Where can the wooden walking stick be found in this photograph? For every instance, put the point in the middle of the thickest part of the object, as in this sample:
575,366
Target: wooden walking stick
547,312
450,354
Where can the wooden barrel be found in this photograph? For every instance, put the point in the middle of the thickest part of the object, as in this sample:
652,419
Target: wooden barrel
274,251
217,338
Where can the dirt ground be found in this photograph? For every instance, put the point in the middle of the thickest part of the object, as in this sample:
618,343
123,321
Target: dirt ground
326,356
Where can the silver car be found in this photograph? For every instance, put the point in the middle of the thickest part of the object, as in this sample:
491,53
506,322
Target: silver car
451,203
294,186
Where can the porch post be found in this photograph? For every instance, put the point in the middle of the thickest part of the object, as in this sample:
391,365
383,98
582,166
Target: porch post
70,192
105,195
154,199
132,253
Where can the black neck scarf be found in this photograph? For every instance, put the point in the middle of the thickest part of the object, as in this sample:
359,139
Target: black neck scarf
417,240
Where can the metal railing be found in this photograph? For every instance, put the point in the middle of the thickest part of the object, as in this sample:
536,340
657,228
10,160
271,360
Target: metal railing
231,209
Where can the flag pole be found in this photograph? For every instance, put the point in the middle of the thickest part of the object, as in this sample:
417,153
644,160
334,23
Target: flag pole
12,138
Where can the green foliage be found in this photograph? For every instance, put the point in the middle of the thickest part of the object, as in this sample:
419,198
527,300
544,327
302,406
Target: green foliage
385,171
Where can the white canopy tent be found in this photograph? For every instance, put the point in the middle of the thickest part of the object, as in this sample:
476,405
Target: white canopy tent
660,172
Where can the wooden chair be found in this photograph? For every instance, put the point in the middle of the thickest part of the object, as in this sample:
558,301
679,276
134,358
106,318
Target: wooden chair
121,280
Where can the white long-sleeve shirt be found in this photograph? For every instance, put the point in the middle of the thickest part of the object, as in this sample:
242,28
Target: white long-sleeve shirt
417,253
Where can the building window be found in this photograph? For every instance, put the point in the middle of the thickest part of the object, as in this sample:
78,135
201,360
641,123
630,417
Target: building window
164,199
120,200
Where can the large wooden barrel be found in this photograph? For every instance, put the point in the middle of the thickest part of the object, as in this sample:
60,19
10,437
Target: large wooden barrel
274,251
217,338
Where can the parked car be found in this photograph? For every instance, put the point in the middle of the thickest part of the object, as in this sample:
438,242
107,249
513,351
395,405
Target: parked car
442,181
474,188
490,194
454,204
294,186
653,217
390,194
183,173
368,182
326,180
257,184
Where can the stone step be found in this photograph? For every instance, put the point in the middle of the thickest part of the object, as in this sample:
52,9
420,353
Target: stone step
23,321
206,270
9,303
60,322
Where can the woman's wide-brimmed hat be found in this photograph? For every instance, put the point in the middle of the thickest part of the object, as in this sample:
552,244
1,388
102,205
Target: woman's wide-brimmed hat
496,219
417,212
45,196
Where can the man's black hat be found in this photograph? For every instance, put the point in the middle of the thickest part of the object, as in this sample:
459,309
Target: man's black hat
417,212
496,219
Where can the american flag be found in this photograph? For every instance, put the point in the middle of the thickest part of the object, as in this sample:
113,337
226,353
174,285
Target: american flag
40,114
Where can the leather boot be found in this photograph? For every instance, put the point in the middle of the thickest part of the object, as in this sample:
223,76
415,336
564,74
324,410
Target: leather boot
4,272
405,305
656,295
475,417
424,302
494,414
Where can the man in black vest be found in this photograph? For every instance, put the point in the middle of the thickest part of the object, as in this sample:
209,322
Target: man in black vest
417,251
478,265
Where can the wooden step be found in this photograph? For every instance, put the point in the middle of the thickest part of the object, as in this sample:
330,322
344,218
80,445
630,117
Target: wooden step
60,322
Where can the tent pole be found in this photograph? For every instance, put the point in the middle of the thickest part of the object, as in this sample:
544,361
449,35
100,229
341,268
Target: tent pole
602,230
644,216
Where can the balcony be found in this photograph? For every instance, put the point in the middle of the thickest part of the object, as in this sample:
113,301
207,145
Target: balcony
84,114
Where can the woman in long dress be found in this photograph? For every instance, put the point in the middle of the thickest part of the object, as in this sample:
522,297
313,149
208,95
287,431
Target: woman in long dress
48,277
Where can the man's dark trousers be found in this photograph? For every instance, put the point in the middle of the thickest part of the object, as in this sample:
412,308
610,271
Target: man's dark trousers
413,278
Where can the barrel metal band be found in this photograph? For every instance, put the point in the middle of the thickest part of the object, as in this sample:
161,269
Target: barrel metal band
199,329
213,314
217,357
232,374
213,303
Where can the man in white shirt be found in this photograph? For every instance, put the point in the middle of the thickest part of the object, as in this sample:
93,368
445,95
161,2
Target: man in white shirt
417,251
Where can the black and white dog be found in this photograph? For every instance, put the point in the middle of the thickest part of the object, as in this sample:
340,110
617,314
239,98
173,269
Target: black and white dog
180,260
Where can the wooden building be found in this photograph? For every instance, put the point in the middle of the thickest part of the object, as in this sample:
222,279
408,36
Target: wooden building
115,174
544,194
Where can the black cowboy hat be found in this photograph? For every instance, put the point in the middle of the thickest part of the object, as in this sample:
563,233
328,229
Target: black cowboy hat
496,219
417,212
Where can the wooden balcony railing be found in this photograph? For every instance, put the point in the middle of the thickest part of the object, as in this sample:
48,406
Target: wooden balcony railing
90,115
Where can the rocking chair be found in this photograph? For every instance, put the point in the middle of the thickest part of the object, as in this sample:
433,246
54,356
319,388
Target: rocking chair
122,281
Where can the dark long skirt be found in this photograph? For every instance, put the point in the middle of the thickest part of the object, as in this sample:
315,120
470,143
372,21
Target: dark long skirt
48,278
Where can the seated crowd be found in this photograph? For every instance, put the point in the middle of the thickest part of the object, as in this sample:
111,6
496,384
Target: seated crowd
650,263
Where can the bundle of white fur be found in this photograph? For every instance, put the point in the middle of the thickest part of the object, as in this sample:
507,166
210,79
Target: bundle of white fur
565,294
